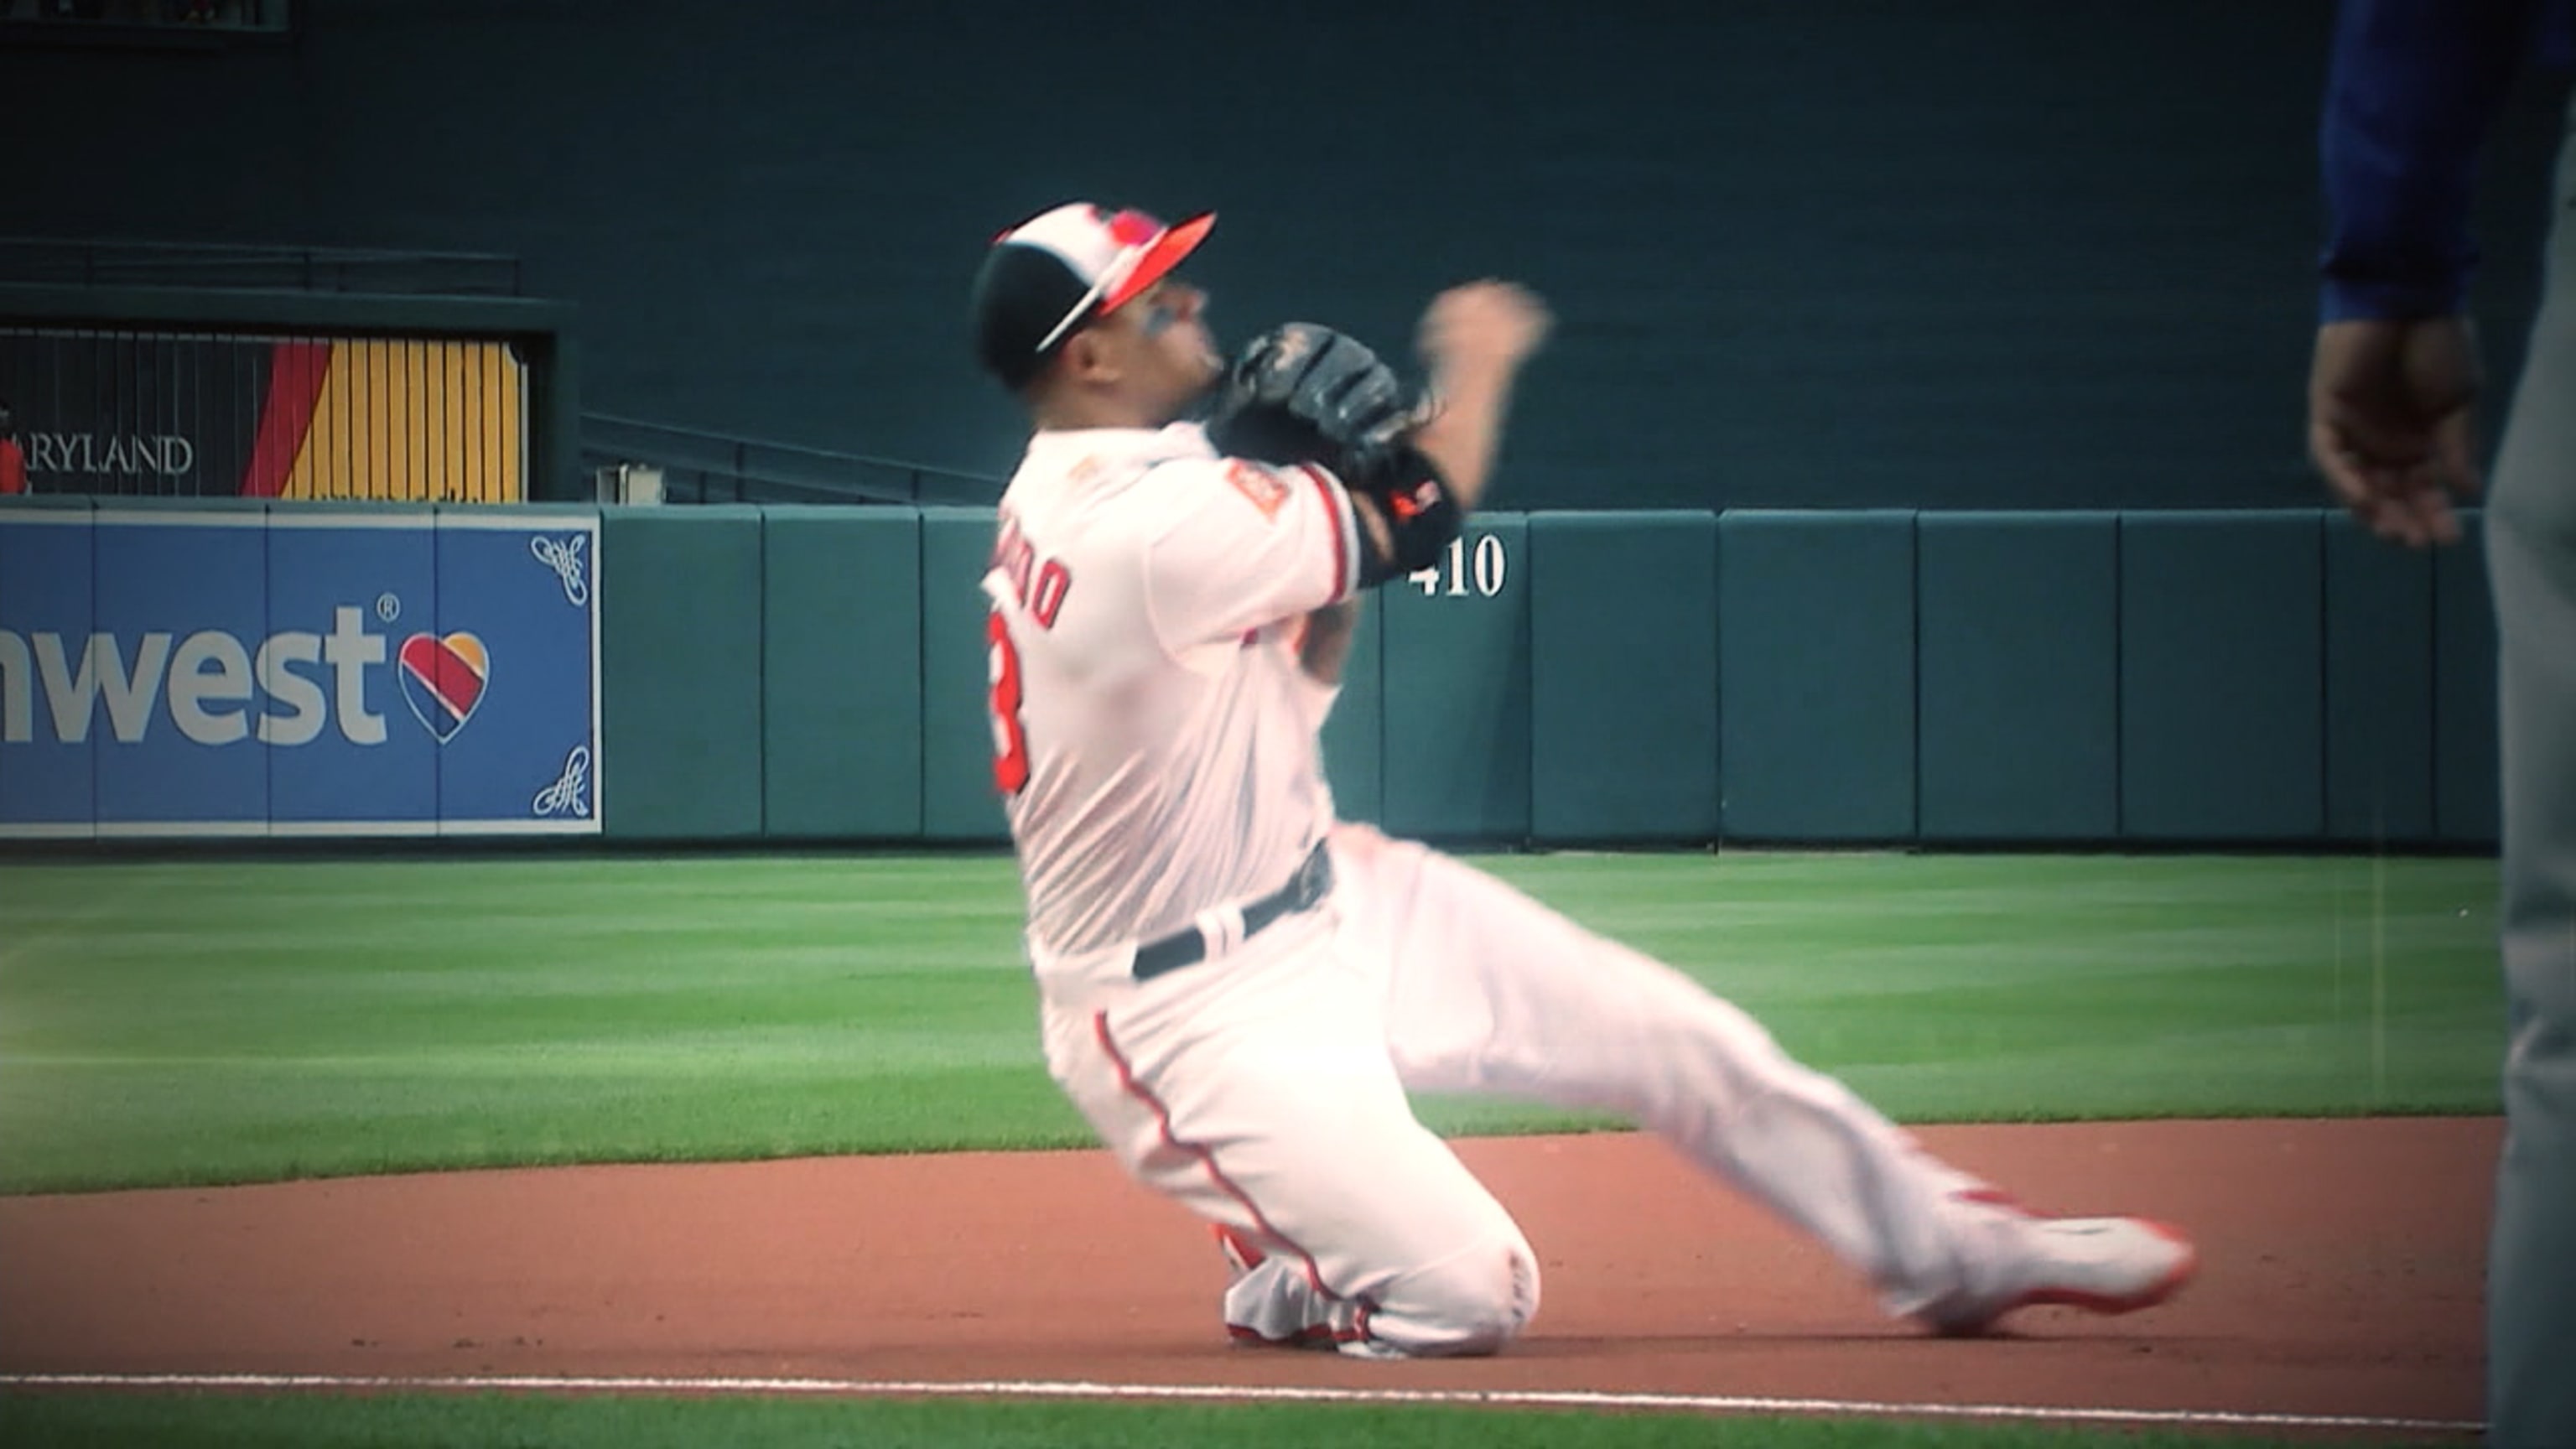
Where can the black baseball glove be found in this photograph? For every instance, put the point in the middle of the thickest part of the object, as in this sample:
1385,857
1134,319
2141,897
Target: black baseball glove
1304,393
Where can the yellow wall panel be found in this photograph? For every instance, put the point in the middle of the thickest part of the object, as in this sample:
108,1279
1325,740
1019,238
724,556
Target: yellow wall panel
417,422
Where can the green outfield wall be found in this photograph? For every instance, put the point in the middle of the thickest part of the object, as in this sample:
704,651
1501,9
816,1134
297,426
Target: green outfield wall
819,675
2017,663
1650,677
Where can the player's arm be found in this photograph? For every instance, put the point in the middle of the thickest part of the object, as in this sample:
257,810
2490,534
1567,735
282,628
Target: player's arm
1242,545
2412,89
1306,396
1475,340
1326,647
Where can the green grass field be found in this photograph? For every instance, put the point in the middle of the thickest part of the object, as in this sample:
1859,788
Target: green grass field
243,1019
427,1421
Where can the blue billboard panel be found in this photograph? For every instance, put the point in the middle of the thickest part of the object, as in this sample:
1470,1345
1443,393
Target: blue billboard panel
509,678
167,686
298,673
46,777
348,753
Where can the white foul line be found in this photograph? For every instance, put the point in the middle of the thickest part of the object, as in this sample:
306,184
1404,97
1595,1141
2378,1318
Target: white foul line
1224,1393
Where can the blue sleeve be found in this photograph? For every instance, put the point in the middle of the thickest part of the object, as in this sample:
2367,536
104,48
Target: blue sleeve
2411,90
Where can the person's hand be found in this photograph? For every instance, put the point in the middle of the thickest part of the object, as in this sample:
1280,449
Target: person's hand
2392,423
1474,339
1483,324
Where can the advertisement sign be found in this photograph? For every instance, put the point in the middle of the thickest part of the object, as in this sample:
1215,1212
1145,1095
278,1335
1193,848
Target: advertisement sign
185,414
171,672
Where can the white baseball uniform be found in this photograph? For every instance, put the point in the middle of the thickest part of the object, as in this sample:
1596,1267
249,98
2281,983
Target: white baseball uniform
1156,741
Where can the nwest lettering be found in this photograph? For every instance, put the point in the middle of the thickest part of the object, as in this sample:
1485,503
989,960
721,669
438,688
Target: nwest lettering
219,690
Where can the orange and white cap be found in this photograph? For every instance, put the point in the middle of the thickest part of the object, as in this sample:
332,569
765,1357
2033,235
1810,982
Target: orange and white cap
1047,277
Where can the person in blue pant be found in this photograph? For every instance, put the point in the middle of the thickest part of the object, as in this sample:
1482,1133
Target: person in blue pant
2412,90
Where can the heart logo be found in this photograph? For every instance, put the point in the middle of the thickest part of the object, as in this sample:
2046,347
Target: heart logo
442,680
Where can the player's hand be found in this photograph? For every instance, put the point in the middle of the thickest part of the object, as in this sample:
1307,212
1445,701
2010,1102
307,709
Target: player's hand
2392,423
1474,339
1481,325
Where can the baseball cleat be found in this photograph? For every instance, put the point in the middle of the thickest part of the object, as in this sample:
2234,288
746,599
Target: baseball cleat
1241,1256
2101,1265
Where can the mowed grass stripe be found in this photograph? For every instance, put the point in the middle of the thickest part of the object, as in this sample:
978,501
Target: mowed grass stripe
243,1019
645,1421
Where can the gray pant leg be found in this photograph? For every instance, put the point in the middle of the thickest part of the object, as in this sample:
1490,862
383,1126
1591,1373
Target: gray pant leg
2531,554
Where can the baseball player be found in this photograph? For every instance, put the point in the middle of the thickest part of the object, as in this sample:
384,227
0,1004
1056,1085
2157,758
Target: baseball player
2413,89
1236,991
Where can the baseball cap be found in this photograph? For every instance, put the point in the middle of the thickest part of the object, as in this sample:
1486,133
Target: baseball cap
1045,278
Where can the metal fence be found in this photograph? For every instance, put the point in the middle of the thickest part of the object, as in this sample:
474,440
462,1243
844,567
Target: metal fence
164,22
114,262
696,466
309,413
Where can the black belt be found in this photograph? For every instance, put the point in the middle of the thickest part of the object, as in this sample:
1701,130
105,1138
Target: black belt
1188,946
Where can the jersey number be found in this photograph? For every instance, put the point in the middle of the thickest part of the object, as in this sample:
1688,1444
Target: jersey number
1010,742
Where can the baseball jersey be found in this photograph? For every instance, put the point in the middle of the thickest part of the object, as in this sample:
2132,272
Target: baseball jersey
1154,739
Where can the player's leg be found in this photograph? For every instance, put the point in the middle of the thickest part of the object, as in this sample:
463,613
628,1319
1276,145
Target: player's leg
1255,1090
2531,560
1491,991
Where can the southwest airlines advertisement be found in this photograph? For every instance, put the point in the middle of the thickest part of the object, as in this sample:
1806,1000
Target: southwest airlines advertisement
190,673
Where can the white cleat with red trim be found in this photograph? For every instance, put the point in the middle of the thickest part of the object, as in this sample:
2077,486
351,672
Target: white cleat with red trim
1266,1301
1271,1302
2101,1265
1241,1256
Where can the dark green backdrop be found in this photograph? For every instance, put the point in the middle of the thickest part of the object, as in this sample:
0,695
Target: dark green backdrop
1806,253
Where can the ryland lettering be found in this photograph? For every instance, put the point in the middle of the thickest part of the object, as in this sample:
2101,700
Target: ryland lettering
167,454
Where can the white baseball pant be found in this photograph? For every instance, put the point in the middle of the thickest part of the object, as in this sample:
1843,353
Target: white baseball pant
1265,1090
